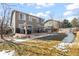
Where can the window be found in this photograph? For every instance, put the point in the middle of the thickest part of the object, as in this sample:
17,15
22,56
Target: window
21,26
38,20
30,18
30,27
22,16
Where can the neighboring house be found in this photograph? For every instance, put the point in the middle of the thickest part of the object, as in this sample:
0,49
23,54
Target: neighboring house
25,23
51,24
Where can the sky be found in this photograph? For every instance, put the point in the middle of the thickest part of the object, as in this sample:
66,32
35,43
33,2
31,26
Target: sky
57,11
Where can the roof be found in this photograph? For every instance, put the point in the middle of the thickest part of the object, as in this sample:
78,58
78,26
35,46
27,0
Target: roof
51,20
27,14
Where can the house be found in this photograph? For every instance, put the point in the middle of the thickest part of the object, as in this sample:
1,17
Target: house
49,25
25,23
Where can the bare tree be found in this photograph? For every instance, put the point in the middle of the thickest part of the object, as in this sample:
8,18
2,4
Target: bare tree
6,16
3,19
51,16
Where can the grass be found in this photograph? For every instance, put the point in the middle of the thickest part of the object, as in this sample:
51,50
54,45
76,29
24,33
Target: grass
74,48
34,47
38,47
41,48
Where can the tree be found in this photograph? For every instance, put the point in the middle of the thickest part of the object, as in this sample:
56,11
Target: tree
66,24
5,18
75,22
5,14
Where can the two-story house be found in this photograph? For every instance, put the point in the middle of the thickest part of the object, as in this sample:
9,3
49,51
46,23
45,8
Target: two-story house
49,25
25,23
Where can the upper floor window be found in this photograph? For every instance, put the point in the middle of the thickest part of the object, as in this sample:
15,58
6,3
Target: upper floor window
30,18
38,20
22,16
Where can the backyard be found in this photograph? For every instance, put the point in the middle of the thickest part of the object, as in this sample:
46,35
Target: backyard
34,47
41,47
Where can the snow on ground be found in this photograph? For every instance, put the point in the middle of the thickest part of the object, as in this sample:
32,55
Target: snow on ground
20,40
61,47
70,38
66,42
7,53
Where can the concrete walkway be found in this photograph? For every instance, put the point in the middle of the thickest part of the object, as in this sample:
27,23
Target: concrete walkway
45,35
34,37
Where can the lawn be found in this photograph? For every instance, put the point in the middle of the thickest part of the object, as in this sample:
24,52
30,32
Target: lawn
33,47
74,48
38,47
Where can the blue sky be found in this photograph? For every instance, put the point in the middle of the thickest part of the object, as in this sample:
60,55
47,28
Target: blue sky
57,11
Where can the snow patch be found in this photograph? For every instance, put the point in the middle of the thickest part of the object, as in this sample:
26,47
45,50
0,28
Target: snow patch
62,47
7,53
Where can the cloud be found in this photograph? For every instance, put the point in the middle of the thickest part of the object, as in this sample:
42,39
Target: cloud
40,5
68,13
48,12
1,11
70,9
72,6
39,1
71,17
42,14
44,4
